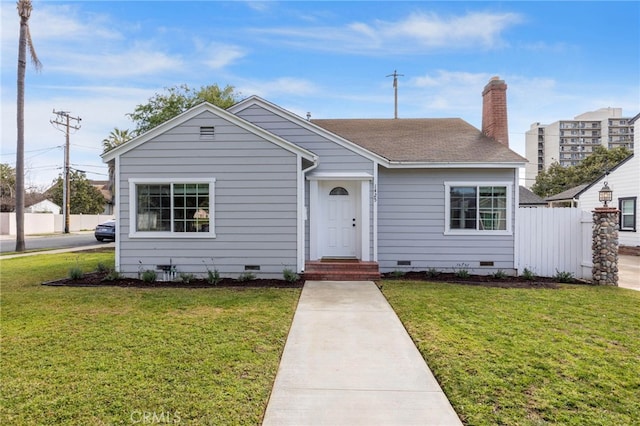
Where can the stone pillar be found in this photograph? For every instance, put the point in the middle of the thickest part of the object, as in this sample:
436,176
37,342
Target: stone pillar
605,246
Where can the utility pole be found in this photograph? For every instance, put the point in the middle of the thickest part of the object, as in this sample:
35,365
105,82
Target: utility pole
63,123
395,76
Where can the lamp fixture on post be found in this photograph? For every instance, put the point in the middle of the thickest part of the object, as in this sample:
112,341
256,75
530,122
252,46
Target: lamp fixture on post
605,194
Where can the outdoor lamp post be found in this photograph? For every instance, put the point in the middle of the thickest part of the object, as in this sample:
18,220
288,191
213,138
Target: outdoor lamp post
605,194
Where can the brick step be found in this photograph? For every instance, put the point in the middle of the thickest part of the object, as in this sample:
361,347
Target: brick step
341,271
341,277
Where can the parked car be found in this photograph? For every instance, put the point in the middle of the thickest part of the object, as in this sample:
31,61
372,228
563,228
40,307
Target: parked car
106,231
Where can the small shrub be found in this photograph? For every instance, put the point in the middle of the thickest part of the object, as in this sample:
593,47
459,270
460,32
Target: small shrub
213,277
102,268
500,274
75,273
149,276
462,271
432,273
112,275
563,276
246,276
290,275
528,275
398,273
186,278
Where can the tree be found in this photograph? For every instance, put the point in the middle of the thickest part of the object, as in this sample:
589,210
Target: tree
557,178
115,138
7,188
85,198
175,101
24,43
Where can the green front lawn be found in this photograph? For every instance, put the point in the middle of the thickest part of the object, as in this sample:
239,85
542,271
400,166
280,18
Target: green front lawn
528,357
121,355
209,356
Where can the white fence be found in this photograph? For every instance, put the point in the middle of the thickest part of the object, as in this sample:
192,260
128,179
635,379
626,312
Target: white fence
551,240
49,223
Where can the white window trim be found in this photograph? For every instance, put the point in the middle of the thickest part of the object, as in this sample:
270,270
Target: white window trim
484,232
134,233
634,214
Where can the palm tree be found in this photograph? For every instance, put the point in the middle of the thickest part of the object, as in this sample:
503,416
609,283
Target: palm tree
115,138
24,42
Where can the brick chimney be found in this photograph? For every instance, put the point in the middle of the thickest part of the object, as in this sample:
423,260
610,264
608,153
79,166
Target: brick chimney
494,111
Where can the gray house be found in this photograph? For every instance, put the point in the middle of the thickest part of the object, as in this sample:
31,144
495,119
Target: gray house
257,188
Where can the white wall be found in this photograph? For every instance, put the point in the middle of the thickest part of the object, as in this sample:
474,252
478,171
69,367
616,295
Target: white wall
47,223
624,182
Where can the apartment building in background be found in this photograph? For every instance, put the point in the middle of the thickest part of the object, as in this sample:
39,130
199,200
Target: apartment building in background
570,141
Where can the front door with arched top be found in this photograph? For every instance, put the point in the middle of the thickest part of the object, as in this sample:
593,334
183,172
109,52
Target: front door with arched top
341,220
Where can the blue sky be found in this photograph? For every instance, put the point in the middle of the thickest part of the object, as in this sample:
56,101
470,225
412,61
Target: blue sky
102,58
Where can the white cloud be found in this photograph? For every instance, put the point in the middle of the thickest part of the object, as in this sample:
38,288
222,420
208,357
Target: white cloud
278,87
415,33
218,55
473,29
141,59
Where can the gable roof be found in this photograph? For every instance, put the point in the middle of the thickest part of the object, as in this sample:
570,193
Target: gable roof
306,124
404,142
422,140
194,112
528,198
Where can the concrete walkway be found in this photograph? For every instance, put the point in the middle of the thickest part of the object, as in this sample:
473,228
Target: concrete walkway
349,361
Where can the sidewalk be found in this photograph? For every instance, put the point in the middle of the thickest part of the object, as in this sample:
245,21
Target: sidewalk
349,361
629,272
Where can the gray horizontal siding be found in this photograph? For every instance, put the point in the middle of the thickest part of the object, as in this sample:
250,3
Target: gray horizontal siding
255,213
411,224
334,158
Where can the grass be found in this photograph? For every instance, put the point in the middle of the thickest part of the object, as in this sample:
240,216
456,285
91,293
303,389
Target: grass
114,355
528,357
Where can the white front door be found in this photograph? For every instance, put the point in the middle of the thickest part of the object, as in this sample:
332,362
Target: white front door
341,220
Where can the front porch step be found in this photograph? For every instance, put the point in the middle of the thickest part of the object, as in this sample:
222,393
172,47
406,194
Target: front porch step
341,271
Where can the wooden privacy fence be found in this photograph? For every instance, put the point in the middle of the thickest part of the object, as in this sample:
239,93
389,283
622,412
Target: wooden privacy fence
551,240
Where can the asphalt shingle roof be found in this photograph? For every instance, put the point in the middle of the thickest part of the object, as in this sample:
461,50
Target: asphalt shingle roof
527,197
421,140
569,194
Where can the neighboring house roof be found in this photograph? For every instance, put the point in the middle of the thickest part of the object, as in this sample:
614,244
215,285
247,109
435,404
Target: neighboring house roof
103,187
422,140
528,198
576,191
43,206
569,194
194,112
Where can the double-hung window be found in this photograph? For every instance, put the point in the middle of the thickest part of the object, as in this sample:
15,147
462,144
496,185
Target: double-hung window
171,207
627,207
477,208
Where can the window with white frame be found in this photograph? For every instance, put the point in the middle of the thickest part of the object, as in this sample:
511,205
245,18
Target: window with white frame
472,207
175,207
627,207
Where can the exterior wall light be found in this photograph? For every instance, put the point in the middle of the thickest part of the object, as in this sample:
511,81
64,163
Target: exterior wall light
605,194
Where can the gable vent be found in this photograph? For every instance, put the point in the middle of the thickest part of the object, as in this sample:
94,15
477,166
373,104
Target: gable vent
207,132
